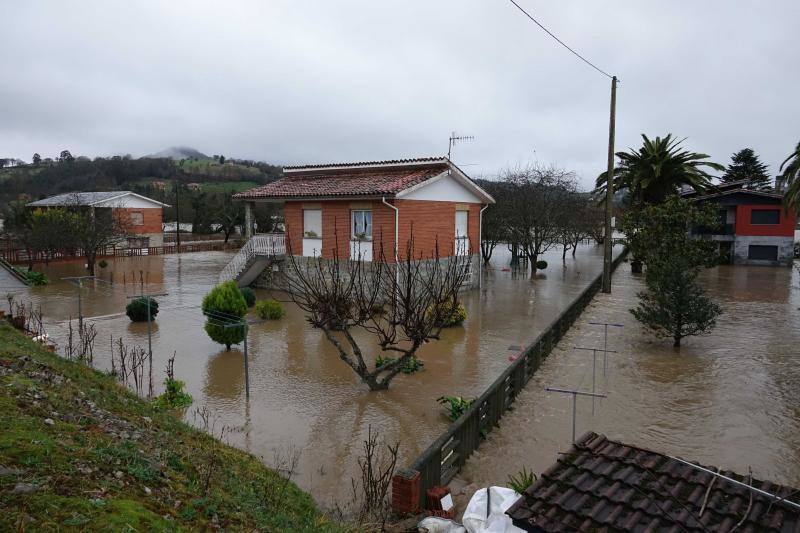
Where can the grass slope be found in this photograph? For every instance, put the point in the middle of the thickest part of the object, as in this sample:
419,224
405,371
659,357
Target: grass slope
79,452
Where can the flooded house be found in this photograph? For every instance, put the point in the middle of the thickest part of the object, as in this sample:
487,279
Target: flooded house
366,211
144,216
754,227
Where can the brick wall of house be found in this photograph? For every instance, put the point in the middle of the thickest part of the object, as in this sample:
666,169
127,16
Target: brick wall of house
293,219
336,225
432,223
152,220
430,220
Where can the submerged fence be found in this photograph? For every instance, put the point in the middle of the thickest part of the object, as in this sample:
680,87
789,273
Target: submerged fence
17,256
444,458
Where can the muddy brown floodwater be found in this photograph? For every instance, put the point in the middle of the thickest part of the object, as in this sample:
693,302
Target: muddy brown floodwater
729,399
303,398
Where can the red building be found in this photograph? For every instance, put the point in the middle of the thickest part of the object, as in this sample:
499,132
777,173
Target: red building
754,228
143,216
363,210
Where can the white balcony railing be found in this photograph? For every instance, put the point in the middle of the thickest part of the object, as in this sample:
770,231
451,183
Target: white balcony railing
263,245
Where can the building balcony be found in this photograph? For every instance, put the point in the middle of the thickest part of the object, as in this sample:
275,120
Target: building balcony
724,229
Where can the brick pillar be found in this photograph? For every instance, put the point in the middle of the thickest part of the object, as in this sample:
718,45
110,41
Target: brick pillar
405,492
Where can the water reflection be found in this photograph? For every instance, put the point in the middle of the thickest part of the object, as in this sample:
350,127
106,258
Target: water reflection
729,399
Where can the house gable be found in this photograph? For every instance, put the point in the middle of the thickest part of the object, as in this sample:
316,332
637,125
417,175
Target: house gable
442,188
130,201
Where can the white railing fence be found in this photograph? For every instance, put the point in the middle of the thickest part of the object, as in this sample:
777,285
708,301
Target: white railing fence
263,244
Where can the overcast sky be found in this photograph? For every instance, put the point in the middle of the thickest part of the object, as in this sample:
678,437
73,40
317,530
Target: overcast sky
308,82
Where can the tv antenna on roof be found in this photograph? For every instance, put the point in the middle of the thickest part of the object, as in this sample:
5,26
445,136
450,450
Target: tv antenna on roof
455,137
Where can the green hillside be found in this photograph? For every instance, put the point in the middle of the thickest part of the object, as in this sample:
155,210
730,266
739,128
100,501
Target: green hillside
79,452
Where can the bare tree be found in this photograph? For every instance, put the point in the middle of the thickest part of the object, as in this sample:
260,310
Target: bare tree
575,223
536,205
495,223
94,229
402,305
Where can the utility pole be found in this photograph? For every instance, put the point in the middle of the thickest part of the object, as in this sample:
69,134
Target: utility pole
608,241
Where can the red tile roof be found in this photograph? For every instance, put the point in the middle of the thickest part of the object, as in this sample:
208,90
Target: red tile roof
375,178
384,163
604,485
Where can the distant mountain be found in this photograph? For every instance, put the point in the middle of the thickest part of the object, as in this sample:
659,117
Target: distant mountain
180,152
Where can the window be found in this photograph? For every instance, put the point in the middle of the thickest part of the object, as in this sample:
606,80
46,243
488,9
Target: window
462,219
762,252
312,223
138,242
137,218
765,216
362,224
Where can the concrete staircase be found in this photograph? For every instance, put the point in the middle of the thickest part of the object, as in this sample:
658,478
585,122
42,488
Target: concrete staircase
253,258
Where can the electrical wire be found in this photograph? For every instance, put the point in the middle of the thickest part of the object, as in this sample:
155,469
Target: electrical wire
562,43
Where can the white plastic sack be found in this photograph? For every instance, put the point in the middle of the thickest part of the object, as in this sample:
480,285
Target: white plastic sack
434,524
477,520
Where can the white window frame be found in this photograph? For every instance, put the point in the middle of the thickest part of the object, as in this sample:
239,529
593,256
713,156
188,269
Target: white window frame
367,225
137,218
461,246
317,224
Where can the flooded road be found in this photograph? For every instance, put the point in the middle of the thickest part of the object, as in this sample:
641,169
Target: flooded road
303,397
729,399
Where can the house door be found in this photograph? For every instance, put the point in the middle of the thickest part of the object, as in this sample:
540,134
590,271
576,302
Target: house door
462,236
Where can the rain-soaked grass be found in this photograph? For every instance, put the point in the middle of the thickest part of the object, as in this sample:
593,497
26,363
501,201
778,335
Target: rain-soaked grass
79,452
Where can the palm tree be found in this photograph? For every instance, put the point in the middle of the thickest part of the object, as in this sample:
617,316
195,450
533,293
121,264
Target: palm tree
790,179
659,168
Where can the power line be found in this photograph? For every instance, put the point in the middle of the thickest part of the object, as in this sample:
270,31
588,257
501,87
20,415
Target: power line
562,43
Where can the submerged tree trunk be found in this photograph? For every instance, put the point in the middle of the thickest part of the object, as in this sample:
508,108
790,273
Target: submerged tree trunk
90,260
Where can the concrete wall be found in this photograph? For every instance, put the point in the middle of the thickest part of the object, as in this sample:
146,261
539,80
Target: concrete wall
785,249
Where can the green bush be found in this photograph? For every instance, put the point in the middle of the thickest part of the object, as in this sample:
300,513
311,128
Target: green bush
269,309
541,265
224,306
137,309
33,277
456,406
409,367
449,316
249,296
522,480
174,396
103,263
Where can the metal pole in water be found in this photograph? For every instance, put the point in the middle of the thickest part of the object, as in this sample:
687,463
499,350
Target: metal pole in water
80,309
594,366
149,334
574,413
575,393
246,366
605,340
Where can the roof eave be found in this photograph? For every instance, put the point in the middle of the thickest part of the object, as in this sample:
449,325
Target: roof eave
281,199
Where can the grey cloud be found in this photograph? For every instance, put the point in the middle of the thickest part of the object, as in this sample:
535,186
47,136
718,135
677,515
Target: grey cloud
290,82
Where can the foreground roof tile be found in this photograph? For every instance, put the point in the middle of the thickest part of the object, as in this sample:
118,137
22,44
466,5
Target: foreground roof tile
605,485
